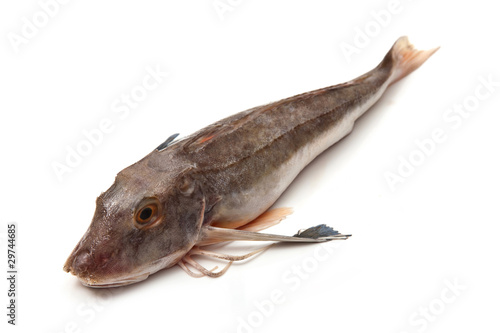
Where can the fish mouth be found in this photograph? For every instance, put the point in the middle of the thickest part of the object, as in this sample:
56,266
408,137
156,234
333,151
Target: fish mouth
89,282
90,279
81,265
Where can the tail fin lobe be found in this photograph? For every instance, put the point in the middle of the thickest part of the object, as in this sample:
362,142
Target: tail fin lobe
406,58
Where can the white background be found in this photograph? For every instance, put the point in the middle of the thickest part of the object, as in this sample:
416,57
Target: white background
438,227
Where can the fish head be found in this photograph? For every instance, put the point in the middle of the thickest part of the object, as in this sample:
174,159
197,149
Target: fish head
143,223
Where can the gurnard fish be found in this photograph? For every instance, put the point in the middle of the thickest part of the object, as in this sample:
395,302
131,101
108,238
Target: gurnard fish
218,184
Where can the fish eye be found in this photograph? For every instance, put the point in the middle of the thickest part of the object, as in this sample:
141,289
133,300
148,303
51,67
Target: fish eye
147,214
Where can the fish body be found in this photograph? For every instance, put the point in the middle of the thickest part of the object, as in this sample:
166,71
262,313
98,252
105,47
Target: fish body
218,183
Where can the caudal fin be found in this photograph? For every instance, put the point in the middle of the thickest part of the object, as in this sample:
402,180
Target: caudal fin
405,58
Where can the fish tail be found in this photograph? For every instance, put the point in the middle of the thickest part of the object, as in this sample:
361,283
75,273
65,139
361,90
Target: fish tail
405,58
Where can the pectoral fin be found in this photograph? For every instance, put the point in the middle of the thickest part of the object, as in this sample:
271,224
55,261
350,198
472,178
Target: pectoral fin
265,220
320,233
212,235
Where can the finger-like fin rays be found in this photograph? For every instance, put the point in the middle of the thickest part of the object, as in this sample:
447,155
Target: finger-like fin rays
211,235
265,220
205,272
187,270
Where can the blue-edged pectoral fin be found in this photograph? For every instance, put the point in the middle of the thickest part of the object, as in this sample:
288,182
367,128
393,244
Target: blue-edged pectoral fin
320,233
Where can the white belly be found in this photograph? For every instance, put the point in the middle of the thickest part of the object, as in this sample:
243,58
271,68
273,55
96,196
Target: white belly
242,207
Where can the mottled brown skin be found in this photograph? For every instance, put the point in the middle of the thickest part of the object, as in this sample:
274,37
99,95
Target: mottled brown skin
250,145
224,175
112,250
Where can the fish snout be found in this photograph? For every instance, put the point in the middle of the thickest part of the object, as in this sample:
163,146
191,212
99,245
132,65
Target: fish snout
86,265
81,263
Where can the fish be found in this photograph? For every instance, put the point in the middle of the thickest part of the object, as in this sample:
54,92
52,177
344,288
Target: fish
218,184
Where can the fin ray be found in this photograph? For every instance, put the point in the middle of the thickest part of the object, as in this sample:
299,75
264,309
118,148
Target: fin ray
212,235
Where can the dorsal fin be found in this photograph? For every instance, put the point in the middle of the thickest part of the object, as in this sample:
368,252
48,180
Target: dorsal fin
167,142
201,138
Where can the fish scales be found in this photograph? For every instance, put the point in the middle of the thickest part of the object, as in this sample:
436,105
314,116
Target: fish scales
254,150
